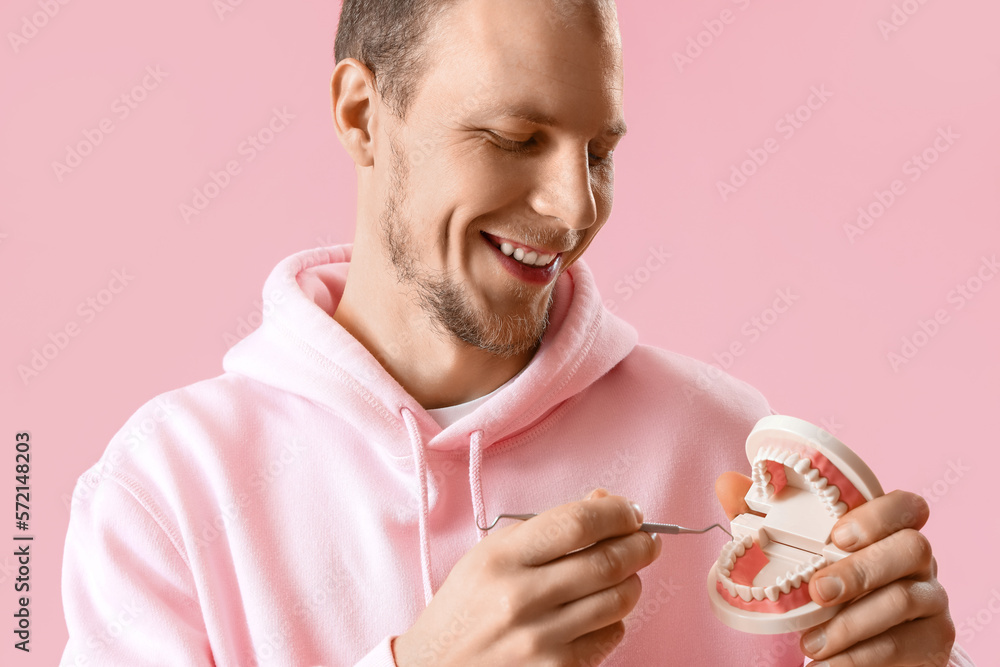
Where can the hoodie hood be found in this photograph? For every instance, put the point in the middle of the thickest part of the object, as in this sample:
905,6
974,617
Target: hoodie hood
301,349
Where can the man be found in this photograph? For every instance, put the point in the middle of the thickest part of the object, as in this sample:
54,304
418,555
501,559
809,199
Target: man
321,501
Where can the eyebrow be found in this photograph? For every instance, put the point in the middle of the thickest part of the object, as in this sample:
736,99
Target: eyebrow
616,128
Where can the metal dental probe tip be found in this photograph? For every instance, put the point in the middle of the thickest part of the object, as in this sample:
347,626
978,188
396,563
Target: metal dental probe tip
665,528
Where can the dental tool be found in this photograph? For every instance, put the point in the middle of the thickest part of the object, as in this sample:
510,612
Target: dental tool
664,528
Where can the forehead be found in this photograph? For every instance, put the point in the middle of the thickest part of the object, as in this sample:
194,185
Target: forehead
538,60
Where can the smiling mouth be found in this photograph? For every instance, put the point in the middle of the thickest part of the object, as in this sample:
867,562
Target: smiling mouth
523,254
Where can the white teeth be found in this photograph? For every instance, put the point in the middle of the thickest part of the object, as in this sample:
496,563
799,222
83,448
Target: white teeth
730,586
812,475
839,510
802,466
821,483
832,494
772,593
791,460
784,584
529,258
740,549
757,592
747,541
744,592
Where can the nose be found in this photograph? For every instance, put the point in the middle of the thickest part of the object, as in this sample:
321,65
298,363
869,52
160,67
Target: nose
564,189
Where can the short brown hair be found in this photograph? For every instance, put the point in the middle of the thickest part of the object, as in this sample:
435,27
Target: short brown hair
388,37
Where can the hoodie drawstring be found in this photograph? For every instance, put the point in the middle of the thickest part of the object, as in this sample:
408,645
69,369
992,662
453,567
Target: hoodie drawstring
475,488
476,482
420,463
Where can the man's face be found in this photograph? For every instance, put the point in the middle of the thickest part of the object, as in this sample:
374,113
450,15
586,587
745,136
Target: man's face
500,175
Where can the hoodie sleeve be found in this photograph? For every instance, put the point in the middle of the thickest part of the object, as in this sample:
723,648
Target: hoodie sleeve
959,658
380,656
128,593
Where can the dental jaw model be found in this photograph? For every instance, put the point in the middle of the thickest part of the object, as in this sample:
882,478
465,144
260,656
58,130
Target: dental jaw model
804,480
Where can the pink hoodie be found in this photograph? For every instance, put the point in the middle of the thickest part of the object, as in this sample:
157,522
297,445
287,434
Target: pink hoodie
302,508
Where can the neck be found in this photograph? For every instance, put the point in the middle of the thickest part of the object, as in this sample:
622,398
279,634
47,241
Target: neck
434,367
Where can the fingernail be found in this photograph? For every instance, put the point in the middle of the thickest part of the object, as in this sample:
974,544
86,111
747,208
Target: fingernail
846,535
829,588
638,512
814,641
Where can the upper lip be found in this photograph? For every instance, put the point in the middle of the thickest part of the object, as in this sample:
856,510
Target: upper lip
497,240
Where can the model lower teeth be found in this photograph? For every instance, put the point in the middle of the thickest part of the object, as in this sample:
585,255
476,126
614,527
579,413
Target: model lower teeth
784,584
531,258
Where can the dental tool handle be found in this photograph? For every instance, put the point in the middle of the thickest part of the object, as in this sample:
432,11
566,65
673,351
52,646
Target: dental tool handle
665,528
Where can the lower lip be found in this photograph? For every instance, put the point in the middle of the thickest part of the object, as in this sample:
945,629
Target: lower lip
536,275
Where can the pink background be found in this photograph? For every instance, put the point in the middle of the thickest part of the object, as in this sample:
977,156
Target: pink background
928,425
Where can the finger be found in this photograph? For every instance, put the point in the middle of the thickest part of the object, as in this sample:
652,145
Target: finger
889,606
879,518
730,488
573,526
903,554
594,648
598,610
605,564
926,641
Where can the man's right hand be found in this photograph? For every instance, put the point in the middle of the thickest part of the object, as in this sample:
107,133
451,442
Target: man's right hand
550,591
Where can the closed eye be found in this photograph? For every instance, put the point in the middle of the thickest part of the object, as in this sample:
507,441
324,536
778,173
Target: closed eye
521,147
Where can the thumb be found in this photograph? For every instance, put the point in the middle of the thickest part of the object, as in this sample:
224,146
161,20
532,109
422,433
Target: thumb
730,488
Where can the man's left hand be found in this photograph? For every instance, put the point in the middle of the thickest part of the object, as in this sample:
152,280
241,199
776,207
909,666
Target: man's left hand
898,611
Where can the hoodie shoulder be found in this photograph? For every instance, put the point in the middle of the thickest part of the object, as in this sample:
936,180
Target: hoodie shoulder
182,438
687,383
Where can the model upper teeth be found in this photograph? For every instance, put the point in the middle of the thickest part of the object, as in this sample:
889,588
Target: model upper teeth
530,258
827,493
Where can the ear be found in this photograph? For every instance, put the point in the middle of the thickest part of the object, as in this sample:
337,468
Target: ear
730,488
354,102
